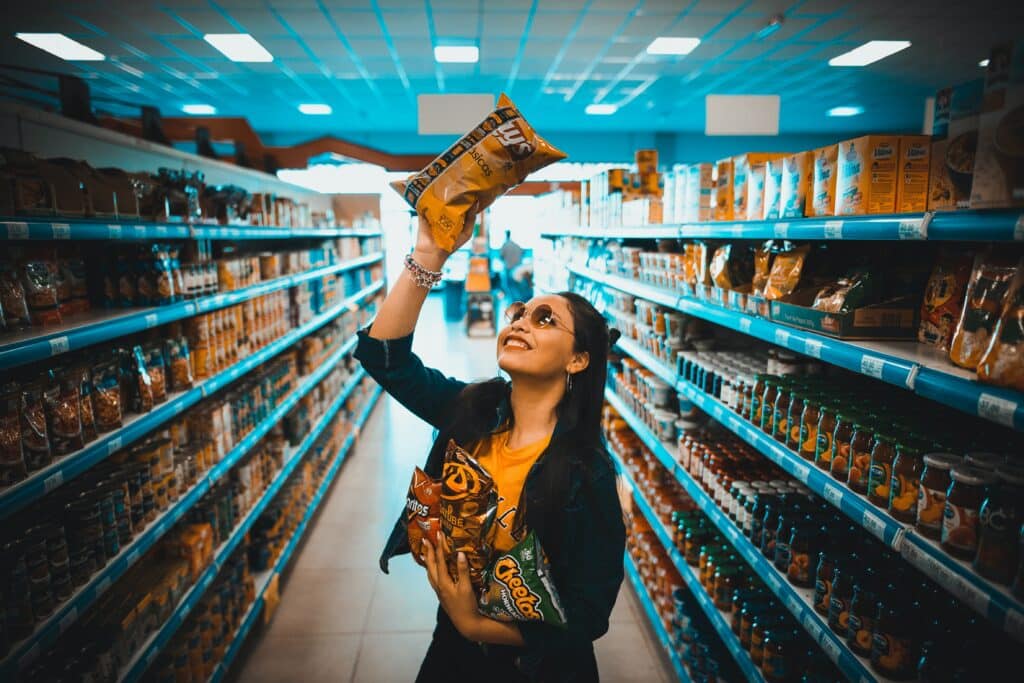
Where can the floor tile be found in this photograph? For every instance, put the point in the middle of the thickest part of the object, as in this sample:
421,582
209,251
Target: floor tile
391,657
624,655
324,601
402,600
309,659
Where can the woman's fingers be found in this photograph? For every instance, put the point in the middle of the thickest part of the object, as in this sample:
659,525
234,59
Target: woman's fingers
463,570
428,560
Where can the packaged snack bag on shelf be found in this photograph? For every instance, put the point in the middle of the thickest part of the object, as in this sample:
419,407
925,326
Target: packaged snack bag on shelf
731,266
469,503
983,303
912,174
943,298
954,144
485,163
787,268
797,180
822,201
518,586
762,267
724,190
1003,361
849,292
866,175
999,164
422,512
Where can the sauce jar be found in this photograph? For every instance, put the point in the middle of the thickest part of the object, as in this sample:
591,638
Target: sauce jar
884,452
893,649
823,582
963,506
842,592
863,609
823,446
999,519
905,482
842,435
807,439
861,445
984,461
880,472
771,393
931,494
780,425
778,660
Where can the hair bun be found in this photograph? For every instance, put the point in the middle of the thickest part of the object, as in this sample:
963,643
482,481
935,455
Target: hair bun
613,336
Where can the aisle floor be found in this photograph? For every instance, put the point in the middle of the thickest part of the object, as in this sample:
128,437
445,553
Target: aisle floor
342,619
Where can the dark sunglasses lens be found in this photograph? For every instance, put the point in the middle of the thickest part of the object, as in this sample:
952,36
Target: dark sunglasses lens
542,316
515,311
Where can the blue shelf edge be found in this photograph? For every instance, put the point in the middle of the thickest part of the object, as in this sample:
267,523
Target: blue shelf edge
243,630
159,639
51,343
70,466
640,590
60,228
995,404
61,620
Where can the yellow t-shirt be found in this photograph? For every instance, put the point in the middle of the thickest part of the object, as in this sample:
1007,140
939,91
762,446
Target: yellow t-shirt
508,468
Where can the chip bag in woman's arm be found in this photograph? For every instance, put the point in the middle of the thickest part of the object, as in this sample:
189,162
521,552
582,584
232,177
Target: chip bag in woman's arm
423,512
1003,361
469,503
484,164
518,586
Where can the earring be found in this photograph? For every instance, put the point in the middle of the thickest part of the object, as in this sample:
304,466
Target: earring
568,382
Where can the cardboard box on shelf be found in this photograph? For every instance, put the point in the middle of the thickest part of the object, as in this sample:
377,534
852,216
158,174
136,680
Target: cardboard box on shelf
954,144
744,167
999,163
724,190
822,201
771,206
866,175
797,180
893,319
700,192
912,175
647,161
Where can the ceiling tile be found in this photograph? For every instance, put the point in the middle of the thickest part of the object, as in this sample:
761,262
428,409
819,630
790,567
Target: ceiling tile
366,48
455,24
357,24
505,24
596,26
650,26
406,23
505,47
553,24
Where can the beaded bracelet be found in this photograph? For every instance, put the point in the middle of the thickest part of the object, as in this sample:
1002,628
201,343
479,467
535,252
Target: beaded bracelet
427,279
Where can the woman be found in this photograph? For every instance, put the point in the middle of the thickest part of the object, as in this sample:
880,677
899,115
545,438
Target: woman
540,438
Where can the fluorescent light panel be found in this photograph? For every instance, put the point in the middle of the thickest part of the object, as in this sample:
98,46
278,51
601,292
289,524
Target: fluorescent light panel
983,63
457,54
59,45
846,111
239,47
199,109
315,109
869,53
668,45
601,109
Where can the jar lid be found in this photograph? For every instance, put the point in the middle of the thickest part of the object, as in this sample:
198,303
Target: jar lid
973,476
985,461
942,461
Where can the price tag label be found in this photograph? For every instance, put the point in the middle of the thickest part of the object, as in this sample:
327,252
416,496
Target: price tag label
782,337
913,229
61,231
794,605
160,529
833,495
781,230
811,626
774,583
1018,229
871,366
873,523
150,656
59,345
114,232
190,309
734,423
53,481
812,347
997,409
733,534
833,230
68,619
17,231
831,648
102,586
161,230
132,558
114,445
151,320
801,471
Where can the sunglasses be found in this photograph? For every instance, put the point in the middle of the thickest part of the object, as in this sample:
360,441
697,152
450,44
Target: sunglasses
540,316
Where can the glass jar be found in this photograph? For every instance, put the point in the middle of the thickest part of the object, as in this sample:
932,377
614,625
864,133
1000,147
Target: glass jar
780,425
761,501
783,531
884,452
861,444
863,609
905,482
1000,517
770,522
826,426
931,494
802,542
842,592
807,439
771,393
893,649
753,403
823,582
796,409
963,505
842,435
726,579
777,662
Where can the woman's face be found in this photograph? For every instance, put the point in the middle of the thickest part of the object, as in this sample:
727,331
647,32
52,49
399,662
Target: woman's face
541,352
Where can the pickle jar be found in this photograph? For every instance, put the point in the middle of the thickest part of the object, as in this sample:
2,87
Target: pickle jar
931,493
1001,516
963,506
807,438
826,426
842,435
905,482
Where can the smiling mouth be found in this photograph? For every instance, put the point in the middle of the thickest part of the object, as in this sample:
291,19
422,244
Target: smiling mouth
516,344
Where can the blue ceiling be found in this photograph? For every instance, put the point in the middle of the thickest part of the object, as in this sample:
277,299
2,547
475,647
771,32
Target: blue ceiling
369,59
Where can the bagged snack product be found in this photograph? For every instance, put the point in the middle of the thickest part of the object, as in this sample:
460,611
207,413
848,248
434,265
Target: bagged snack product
983,303
468,506
731,266
787,268
944,298
954,143
762,267
485,163
12,299
1003,361
849,292
423,512
518,586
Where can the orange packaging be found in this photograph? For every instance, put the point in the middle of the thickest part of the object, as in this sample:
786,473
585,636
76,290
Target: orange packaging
724,190
823,184
912,180
485,163
797,178
866,175
647,161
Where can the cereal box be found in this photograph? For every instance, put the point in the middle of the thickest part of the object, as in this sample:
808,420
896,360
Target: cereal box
912,180
647,161
700,193
866,172
724,190
743,166
999,163
772,189
823,183
797,178
954,142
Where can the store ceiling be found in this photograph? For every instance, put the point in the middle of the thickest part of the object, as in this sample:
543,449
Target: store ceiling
369,59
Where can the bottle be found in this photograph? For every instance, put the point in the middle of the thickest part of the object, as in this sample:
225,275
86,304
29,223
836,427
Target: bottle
770,524
843,580
931,494
1017,587
906,483
1000,517
783,531
893,648
826,427
863,608
807,441
796,409
771,392
884,452
841,438
754,404
823,581
777,662
861,445
780,425
880,473
802,548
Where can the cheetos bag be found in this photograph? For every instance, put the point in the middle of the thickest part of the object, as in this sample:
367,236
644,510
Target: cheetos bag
469,503
484,164
518,586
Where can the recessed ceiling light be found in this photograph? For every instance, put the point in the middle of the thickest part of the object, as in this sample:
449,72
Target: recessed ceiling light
199,109
869,53
457,54
601,109
239,47
983,63
315,109
60,45
667,45
845,111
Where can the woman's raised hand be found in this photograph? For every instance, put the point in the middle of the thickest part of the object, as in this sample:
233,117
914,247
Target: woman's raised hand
428,254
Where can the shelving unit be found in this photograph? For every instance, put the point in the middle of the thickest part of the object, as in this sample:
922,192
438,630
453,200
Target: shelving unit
25,228
70,466
905,364
640,590
976,226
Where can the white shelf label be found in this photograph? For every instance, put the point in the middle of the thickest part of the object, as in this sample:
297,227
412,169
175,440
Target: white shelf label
782,337
996,409
17,231
781,230
913,229
139,230
745,325
871,366
733,534
133,556
774,583
102,586
161,230
151,320
801,471
68,619
831,648
833,230
873,523
812,347
114,232
811,626
833,495
190,309
61,231
53,481
114,445
794,605
945,576
59,345
1018,228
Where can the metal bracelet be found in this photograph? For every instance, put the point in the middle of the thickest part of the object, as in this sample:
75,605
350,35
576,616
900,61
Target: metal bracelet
427,279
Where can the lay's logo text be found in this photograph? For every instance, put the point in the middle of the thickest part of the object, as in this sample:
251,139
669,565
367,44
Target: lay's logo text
508,572
511,136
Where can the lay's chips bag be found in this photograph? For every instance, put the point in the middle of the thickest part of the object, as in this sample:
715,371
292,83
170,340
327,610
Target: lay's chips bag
484,164
518,586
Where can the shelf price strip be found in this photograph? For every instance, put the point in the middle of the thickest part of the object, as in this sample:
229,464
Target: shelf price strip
26,228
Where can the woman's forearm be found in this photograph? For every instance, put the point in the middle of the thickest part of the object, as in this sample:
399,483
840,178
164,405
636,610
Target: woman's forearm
494,632
401,308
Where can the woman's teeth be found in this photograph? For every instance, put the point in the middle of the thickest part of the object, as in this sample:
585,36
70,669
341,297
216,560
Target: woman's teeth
516,344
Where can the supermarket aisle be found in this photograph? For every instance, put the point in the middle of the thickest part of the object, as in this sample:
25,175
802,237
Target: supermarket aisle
340,618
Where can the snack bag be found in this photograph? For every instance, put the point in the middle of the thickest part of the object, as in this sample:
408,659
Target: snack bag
848,293
518,586
485,163
762,268
982,306
785,274
422,512
1003,361
731,266
944,298
469,503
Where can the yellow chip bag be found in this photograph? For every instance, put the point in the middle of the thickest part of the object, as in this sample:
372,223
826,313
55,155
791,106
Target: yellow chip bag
484,164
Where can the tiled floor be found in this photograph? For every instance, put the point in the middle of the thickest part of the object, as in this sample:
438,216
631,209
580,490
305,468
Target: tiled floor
342,619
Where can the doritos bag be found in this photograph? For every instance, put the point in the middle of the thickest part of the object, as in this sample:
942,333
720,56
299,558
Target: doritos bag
422,512
518,586
469,503
484,164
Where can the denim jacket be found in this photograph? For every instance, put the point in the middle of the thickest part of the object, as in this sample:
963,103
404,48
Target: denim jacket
587,571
